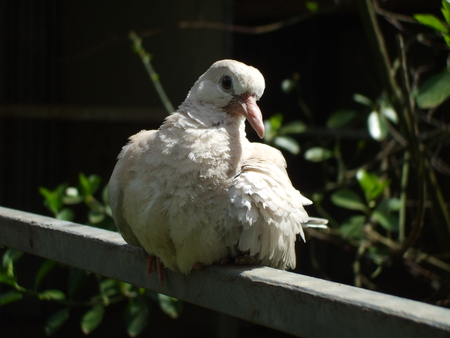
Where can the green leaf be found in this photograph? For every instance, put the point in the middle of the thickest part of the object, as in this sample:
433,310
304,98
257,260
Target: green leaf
388,221
136,316
276,121
92,318
105,196
43,271
348,199
56,321
363,100
446,11
7,277
378,254
313,6
353,226
434,91
10,296
446,38
287,85
287,143
340,118
53,200
108,288
272,127
390,204
95,216
431,21
89,185
10,256
76,279
377,126
52,295
65,214
72,196
318,154
294,127
170,306
371,184
386,109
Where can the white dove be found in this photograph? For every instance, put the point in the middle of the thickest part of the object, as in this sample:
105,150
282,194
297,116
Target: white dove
197,192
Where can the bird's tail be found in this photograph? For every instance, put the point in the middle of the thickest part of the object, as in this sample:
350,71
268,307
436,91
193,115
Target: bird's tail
315,222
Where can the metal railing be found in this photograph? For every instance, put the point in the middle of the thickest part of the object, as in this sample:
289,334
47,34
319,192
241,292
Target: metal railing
292,303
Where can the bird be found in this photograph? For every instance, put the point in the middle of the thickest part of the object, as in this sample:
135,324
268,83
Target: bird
197,192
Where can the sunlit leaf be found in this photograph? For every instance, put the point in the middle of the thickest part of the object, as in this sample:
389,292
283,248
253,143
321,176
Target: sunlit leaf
170,306
43,271
431,21
65,214
340,118
7,277
348,199
56,321
353,226
390,204
92,318
446,11
10,256
434,91
318,154
52,295
388,221
363,100
136,316
95,216
385,108
10,296
446,38
276,121
53,199
89,185
378,128
272,127
371,184
72,196
287,143
294,127
287,85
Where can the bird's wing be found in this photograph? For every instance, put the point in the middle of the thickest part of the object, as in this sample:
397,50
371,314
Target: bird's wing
266,211
121,179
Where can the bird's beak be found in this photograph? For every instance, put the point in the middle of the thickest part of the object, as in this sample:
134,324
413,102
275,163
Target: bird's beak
251,111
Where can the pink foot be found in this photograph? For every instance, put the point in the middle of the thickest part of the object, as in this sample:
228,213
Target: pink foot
159,268
197,266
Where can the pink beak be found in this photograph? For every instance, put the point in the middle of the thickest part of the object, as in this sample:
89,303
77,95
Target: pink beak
252,113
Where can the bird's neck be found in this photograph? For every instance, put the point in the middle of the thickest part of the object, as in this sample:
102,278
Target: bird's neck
214,150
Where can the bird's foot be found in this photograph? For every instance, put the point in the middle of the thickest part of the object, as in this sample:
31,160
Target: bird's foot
226,261
159,268
197,266
246,260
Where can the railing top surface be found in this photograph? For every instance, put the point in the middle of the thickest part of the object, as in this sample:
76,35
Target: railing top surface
288,302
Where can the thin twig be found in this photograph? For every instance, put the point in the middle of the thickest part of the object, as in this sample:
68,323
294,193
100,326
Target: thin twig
145,57
211,25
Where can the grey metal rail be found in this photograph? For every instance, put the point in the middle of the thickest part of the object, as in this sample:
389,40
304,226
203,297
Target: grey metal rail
293,303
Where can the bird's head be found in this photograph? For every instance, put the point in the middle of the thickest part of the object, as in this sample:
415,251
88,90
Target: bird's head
233,87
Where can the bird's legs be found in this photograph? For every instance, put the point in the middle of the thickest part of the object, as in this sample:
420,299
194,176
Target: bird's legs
159,268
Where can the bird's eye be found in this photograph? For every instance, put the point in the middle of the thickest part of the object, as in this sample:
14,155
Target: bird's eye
226,83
